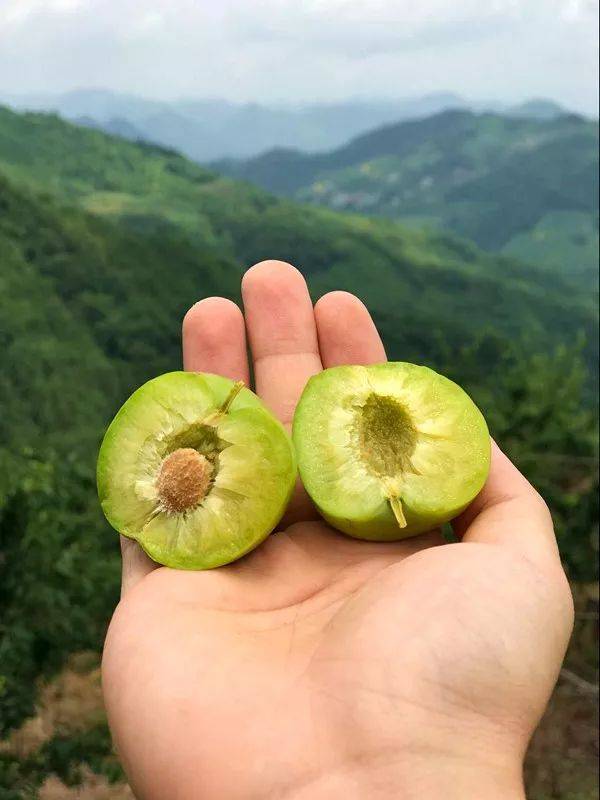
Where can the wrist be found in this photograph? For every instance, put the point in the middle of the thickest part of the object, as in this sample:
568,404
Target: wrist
427,777
433,777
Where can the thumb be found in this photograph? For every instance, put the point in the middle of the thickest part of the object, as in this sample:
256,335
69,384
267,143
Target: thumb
136,564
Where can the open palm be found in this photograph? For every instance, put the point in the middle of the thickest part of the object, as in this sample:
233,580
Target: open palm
323,667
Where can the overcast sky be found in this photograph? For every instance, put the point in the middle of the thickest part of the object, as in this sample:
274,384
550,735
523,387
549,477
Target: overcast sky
304,50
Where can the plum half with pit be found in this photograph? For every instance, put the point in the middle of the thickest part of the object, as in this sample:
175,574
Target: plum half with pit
389,450
195,469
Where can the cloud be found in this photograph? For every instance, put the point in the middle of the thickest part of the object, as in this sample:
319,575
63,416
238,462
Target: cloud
355,35
17,12
353,28
303,49
574,10
373,25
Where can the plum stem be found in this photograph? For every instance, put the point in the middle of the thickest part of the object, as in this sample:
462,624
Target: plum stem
235,390
215,417
396,505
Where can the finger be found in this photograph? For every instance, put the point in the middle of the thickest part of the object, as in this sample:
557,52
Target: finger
346,332
136,564
214,339
282,334
509,512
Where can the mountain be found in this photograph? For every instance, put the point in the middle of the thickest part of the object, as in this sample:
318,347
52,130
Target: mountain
115,126
206,130
151,188
537,108
524,186
104,243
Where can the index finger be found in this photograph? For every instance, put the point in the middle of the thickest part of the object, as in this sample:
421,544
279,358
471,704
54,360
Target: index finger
509,512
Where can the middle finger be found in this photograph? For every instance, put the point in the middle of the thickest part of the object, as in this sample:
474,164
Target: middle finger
282,333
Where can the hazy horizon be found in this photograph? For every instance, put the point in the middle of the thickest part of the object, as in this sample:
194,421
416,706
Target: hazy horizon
288,105
280,52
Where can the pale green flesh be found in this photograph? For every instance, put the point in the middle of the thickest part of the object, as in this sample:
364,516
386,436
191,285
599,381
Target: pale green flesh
254,475
367,435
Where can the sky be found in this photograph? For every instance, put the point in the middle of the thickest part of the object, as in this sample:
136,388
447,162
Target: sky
297,51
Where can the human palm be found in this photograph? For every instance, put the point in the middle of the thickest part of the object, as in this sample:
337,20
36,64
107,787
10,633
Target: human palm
320,666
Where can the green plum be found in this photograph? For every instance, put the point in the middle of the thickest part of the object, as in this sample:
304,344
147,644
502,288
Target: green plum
389,450
195,469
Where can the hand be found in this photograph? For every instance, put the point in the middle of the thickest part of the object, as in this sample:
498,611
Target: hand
320,666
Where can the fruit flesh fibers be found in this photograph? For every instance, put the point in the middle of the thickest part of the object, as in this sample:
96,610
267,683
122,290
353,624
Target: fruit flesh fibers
196,482
389,450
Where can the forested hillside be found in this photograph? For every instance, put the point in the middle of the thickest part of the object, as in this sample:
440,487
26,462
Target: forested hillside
528,187
402,274
103,246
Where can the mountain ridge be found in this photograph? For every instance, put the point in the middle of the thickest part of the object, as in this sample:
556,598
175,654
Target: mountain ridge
148,188
450,171
104,244
208,129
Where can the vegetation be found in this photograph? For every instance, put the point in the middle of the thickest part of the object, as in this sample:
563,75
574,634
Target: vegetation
401,274
524,186
103,245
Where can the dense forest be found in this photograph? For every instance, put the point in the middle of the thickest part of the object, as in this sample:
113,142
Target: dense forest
525,186
103,246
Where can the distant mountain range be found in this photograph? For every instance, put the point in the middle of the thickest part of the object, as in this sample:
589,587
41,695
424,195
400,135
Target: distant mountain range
105,243
173,204
518,179
206,130
525,184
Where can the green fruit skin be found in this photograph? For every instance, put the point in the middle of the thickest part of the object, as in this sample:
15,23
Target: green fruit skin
384,528
378,523
220,388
